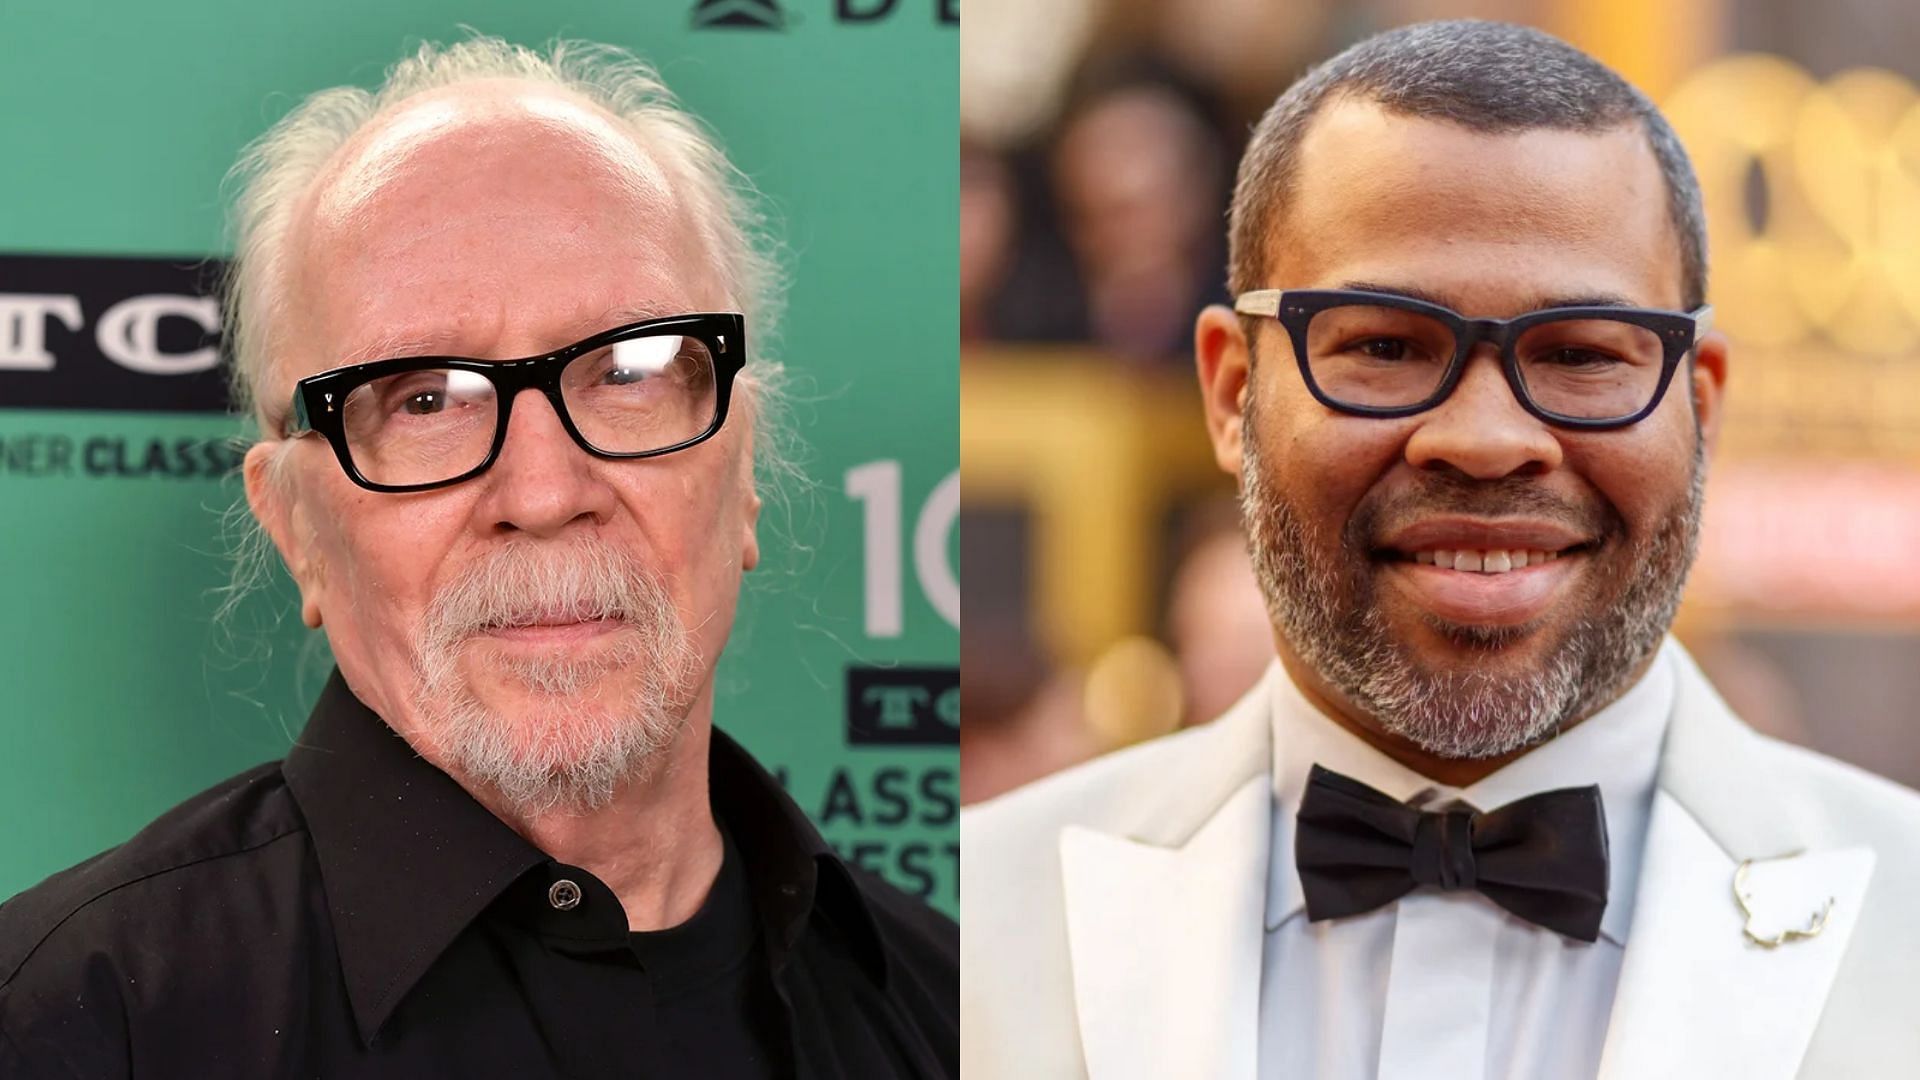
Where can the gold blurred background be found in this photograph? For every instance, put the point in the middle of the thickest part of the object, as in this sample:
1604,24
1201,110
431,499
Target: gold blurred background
1108,598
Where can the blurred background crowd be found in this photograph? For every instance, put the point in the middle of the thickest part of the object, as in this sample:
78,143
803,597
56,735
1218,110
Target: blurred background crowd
1108,594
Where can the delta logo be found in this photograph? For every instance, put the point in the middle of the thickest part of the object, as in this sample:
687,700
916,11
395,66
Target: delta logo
739,15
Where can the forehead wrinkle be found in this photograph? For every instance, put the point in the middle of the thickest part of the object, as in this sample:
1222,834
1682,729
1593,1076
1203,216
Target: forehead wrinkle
395,346
446,340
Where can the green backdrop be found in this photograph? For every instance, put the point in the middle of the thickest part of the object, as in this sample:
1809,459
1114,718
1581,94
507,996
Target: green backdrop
118,694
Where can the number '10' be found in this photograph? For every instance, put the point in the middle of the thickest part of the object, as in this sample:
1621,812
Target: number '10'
876,485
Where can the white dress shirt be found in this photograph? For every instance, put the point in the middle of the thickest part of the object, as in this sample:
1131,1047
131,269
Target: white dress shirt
1449,986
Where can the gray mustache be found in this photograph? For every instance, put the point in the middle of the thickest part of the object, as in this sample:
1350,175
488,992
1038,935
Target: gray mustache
524,584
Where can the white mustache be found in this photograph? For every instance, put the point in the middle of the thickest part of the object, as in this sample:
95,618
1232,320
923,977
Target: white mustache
528,584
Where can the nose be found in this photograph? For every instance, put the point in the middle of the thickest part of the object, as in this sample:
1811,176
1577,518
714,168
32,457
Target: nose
1481,430
543,481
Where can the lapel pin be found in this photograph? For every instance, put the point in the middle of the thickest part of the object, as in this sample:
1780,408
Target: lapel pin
1743,895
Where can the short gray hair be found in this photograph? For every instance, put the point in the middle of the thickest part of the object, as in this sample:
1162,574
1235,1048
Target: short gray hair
1488,77
277,169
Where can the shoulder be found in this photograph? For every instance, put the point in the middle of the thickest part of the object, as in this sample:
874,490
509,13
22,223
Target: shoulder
921,953
1016,982
1158,791
1869,1018
127,892
908,923
1832,803
1842,804
1845,791
920,943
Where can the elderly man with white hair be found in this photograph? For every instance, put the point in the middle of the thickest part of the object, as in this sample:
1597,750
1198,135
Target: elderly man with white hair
489,319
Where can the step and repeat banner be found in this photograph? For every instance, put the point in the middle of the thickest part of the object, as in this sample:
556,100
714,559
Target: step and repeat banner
121,693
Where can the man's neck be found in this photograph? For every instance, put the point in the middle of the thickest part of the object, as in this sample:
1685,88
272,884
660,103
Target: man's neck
1452,772
656,845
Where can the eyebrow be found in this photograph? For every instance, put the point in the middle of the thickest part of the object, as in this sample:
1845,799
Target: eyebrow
438,342
1536,303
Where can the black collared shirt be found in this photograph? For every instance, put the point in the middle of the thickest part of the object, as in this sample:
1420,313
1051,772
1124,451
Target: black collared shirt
718,1014
352,912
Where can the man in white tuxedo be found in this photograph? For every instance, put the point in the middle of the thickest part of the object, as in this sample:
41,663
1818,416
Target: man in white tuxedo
1482,818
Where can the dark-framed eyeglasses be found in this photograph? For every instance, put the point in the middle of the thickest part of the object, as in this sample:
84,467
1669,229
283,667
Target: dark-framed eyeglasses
419,422
1388,356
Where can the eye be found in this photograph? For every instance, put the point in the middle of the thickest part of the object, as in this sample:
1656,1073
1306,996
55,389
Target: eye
1383,348
417,393
430,393
638,361
423,403
626,375
1571,356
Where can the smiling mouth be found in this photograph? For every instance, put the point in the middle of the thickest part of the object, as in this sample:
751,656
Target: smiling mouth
1481,560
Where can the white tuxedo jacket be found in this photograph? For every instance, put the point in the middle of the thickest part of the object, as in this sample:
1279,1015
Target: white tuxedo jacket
1111,917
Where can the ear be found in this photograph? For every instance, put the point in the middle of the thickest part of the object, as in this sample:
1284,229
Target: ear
1223,358
750,540
1709,383
275,509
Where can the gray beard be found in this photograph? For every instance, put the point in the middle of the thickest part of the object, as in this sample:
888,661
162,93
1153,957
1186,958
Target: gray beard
1320,597
568,750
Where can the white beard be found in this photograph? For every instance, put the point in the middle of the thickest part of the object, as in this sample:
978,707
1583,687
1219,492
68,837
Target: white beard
570,748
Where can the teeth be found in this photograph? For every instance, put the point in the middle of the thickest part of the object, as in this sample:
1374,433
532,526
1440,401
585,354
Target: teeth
1494,561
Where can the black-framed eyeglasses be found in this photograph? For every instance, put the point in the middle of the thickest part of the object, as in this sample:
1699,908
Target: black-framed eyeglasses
1387,356
420,422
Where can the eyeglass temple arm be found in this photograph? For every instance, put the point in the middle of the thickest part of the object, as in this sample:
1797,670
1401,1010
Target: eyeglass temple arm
298,422
1702,321
1259,302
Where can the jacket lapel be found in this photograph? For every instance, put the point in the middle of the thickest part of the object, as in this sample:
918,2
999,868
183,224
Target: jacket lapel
1695,997
1164,920
1166,944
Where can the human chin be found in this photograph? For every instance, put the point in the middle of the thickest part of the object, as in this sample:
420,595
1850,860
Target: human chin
551,706
559,727
1470,690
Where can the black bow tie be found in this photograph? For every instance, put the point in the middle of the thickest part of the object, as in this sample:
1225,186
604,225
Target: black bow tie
1543,857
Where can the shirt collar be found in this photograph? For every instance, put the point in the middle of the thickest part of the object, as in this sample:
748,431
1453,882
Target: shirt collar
1617,748
408,859
792,872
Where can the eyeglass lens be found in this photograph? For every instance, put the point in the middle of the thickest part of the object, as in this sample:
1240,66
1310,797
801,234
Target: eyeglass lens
631,396
1386,357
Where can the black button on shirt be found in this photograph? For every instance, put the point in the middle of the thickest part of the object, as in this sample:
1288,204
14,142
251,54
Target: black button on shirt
352,912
